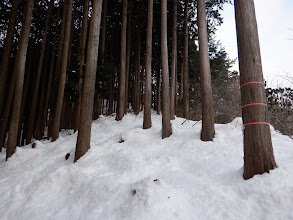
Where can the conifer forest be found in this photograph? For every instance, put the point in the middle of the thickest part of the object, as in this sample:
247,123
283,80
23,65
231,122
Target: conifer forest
68,64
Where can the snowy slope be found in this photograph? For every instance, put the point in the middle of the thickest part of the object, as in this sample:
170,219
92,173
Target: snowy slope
145,177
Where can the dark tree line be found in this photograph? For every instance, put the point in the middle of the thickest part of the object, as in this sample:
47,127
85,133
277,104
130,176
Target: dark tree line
64,63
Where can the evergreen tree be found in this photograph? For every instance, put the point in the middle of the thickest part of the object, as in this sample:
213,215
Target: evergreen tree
208,131
258,151
84,131
166,123
147,121
19,69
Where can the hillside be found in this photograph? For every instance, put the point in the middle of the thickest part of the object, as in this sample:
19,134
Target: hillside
131,173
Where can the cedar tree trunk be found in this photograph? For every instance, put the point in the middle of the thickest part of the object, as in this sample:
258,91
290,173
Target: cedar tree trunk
174,59
128,55
19,69
147,120
258,151
136,90
84,131
166,123
6,54
42,123
62,79
208,130
81,59
57,70
38,77
185,63
7,111
158,92
120,110
104,29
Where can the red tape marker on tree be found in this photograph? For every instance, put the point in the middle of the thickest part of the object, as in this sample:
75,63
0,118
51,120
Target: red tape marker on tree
256,123
251,83
253,104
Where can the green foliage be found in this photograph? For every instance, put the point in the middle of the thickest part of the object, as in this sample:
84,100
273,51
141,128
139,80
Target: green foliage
219,63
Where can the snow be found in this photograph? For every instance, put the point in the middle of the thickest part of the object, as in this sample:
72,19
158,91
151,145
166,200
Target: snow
131,173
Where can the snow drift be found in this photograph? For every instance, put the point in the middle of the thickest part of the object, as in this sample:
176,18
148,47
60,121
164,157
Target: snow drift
131,173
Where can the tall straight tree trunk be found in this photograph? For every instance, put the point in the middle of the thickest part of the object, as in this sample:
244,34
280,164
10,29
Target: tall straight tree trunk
71,34
61,40
6,54
181,81
59,101
19,68
104,29
42,123
38,77
7,110
185,64
57,69
258,151
176,86
81,59
158,92
136,90
174,59
120,110
166,123
26,100
111,77
38,132
147,120
27,83
208,130
128,56
84,131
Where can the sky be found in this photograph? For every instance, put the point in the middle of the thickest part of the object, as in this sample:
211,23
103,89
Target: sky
275,28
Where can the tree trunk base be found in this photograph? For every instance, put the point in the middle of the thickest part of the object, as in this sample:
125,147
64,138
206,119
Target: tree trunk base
258,151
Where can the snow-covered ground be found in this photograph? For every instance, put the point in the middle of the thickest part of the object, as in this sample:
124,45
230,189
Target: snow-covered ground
131,173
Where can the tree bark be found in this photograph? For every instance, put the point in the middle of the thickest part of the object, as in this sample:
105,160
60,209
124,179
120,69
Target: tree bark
128,56
59,100
111,77
147,120
57,70
136,89
104,29
158,92
38,132
185,64
166,123
84,132
38,77
208,130
174,59
7,111
120,110
42,122
19,69
181,81
61,40
27,83
27,93
81,59
71,35
258,151
6,54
